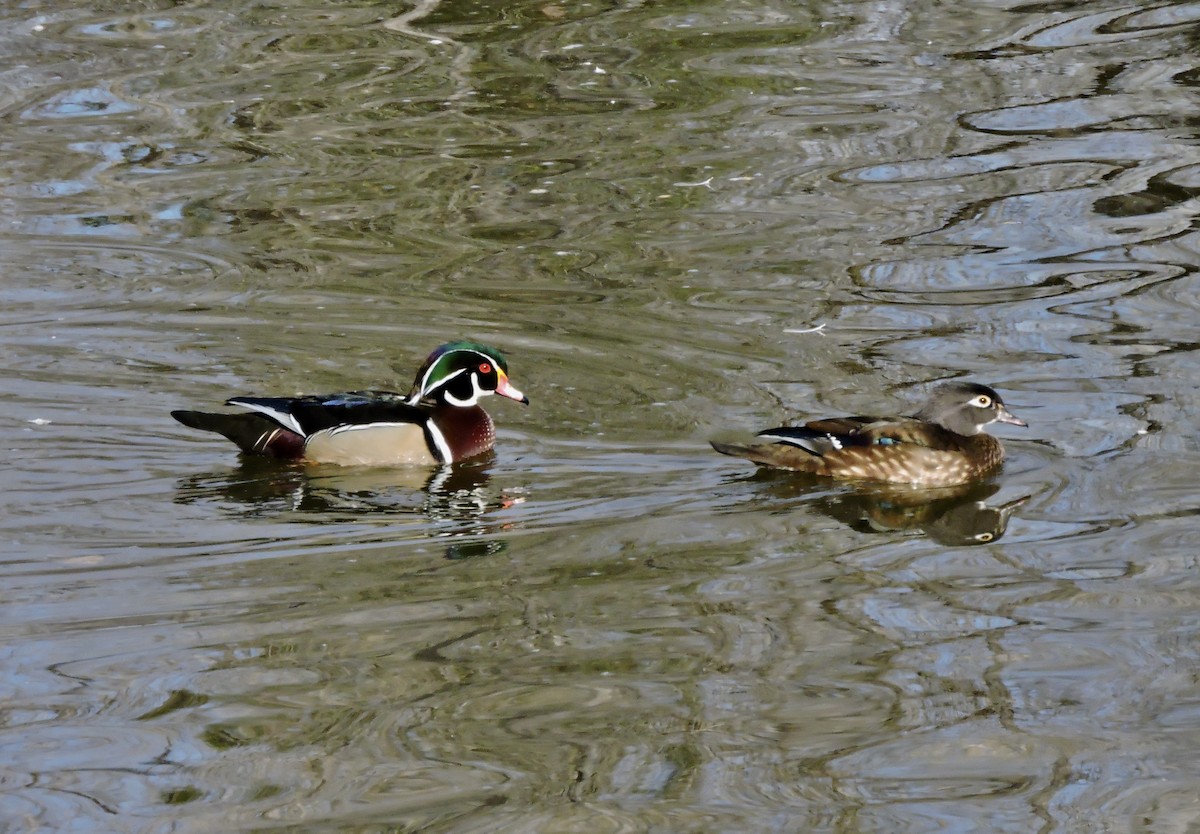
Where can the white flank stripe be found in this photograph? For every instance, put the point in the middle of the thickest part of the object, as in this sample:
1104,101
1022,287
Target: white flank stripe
360,427
425,389
280,417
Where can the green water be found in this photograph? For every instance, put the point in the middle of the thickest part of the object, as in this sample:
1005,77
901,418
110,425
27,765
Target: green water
606,627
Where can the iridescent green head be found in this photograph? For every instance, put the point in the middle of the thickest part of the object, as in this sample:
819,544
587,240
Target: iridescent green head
459,373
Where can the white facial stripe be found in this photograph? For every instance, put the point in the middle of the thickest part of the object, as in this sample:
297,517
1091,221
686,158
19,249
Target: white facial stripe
425,378
422,391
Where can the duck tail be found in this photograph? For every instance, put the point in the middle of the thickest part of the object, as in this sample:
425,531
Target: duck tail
775,455
254,434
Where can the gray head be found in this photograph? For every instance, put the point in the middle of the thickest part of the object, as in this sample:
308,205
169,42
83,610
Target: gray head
973,523
965,408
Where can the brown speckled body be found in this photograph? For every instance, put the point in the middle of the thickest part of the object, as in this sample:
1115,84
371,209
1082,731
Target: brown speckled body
908,463
944,445
956,460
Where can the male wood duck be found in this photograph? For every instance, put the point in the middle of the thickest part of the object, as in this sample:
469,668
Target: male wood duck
438,422
943,444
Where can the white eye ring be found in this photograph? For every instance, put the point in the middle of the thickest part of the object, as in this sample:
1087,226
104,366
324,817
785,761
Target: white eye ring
982,401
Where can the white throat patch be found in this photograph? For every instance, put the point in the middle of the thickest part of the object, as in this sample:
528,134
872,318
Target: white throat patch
476,393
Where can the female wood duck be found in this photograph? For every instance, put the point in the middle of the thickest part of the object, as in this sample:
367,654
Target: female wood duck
439,422
942,445
957,515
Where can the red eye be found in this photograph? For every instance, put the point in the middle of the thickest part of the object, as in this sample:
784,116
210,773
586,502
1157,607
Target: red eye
485,368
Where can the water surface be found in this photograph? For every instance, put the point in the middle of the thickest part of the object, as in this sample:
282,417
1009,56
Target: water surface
604,627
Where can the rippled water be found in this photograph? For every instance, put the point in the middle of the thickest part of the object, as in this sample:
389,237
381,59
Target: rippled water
606,627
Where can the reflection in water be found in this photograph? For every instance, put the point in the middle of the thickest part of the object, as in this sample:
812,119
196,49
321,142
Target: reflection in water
639,198
951,516
457,499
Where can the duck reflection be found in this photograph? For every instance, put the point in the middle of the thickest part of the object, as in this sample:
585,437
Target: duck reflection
953,516
458,498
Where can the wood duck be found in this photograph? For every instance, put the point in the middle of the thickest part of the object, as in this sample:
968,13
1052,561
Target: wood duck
943,444
956,516
438,422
